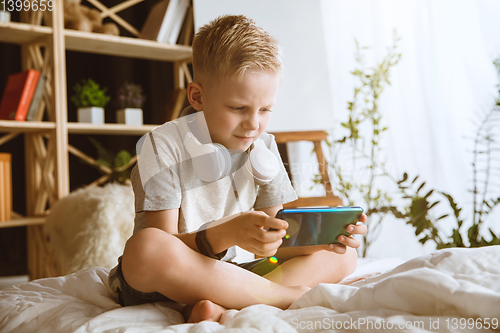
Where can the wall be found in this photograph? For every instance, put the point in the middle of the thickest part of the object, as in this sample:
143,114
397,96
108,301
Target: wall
297,26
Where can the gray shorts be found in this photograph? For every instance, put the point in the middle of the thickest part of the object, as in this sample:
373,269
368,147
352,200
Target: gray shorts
129,296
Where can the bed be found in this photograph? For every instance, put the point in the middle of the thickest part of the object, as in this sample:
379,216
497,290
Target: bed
450,290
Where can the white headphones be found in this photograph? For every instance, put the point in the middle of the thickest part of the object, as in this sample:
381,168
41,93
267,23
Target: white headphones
212,161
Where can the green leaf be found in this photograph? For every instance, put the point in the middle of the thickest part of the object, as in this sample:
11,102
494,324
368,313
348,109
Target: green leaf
122,158
357,72
429,194
442,217
405,177
420,187
457,238
434,204
89,93
424,239
102,153
453,205
493,235
472,233
104,162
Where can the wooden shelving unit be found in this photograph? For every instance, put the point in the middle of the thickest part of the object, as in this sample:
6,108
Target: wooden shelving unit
109,129
22,33
23,222
46,142
9,126
124,46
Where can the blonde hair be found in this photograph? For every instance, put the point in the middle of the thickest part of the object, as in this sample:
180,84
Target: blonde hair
231,45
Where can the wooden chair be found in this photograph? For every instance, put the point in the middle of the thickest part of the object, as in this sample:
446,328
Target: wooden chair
316,137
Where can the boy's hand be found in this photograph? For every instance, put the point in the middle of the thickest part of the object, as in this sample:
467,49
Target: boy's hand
358,229
250,231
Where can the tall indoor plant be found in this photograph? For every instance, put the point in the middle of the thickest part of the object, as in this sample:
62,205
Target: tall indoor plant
414,204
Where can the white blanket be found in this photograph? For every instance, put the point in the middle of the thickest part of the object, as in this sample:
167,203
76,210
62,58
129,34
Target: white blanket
448,291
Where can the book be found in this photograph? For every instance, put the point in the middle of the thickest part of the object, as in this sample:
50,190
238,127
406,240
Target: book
152,25
157,21
37,98
167,20
175,28
18,94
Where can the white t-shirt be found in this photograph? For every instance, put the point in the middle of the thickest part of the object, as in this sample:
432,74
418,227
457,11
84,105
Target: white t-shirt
164,178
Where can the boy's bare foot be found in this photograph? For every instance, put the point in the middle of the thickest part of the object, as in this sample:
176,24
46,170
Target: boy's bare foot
203,310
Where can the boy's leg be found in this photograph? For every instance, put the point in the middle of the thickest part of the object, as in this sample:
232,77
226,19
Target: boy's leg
319,267
155,260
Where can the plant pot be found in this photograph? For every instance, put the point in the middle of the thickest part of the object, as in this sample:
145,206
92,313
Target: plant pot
129,116
94,115
4,16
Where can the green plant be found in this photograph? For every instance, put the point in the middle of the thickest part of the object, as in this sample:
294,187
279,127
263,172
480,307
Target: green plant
362,143
130,95
496,62
427,228
88,93
363,151
484,170
119,163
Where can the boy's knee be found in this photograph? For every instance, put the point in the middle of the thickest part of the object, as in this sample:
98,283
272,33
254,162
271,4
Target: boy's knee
148,252
350,260
344,264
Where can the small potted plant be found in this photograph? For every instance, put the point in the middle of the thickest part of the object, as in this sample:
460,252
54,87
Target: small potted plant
129,100
90,99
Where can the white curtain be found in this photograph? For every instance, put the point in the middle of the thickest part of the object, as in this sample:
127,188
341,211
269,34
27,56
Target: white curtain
444,77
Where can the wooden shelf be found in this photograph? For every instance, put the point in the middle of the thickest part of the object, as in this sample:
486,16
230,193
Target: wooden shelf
25,126
124,46
22,33
109,129
27,221
10,126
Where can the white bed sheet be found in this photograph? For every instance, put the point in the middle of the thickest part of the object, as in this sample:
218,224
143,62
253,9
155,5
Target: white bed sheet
438,292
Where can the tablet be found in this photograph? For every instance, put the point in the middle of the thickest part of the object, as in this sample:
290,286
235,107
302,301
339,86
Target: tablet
317,226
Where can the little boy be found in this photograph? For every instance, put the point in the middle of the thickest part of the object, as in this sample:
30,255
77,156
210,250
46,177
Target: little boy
172,255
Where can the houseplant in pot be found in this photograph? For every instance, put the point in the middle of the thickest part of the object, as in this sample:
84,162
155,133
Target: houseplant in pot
129,100
90,99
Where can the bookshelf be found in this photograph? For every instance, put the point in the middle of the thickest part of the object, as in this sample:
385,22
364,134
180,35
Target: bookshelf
124,46
23,222
22,33
13,126
46,148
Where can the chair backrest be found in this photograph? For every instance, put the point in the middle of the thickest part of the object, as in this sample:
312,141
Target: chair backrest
316,137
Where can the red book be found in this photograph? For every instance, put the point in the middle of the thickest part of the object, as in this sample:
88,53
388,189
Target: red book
18,93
